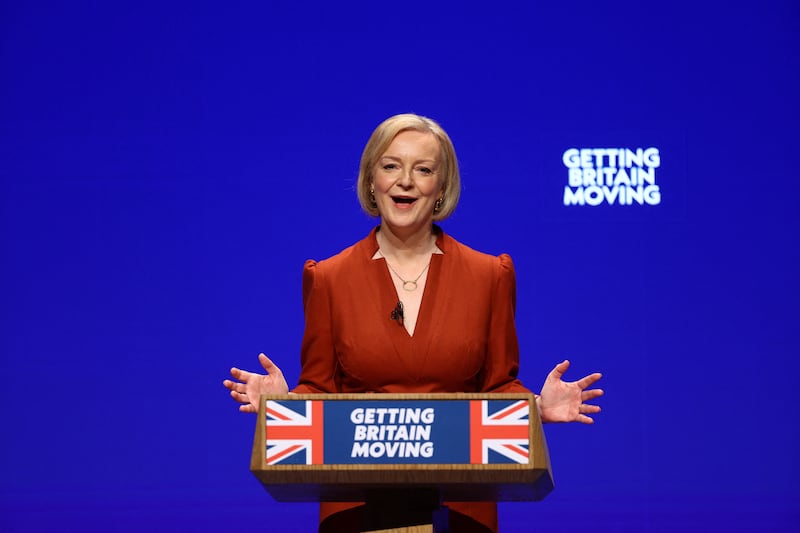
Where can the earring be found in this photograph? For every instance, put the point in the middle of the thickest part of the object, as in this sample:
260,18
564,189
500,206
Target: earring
372,203
437,206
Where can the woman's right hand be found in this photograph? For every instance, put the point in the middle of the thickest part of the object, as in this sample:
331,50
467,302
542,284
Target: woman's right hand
250,386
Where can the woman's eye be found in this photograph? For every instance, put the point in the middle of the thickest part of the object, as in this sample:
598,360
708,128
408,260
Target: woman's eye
425,170
389,166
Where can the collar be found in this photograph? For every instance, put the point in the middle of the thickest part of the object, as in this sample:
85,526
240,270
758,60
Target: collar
371,241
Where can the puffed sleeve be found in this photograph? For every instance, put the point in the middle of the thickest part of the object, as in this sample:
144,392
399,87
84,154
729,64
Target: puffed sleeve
317,358
501,366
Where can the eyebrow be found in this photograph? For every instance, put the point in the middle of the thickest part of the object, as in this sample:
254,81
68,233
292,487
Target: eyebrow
394,158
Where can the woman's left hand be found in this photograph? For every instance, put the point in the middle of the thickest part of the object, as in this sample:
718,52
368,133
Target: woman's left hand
563,401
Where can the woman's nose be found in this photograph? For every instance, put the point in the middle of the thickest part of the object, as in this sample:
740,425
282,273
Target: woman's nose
406,179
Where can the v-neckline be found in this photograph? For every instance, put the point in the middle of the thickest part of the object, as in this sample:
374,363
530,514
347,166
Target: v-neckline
388,285
391,289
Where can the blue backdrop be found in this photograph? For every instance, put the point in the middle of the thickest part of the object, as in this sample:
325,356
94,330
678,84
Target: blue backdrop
166,168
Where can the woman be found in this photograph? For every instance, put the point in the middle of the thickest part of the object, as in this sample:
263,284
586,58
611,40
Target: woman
409,309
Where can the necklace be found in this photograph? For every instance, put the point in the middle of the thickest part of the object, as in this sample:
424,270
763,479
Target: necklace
409,285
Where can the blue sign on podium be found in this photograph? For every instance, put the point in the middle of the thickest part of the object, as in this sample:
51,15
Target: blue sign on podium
385,431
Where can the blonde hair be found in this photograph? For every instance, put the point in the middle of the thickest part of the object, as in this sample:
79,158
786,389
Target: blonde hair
380,140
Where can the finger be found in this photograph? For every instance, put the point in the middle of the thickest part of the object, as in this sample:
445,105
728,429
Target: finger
247,408
268,365
233,385
559,369
589,409
583,419
591,394
240,397
241,375
238,387
589,380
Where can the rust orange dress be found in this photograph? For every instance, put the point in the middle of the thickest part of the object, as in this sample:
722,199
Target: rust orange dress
465,340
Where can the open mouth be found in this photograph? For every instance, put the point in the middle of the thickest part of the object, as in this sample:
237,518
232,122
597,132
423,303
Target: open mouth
403,200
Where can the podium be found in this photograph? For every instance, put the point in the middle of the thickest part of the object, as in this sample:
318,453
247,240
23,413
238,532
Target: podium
401,454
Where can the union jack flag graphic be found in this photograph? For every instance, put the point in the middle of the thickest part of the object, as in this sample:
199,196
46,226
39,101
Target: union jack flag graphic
499,431
294,432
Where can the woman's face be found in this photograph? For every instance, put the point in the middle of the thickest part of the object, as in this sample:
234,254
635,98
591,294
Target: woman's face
407,181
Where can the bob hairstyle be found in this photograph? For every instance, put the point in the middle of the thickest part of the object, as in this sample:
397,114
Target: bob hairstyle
380,140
